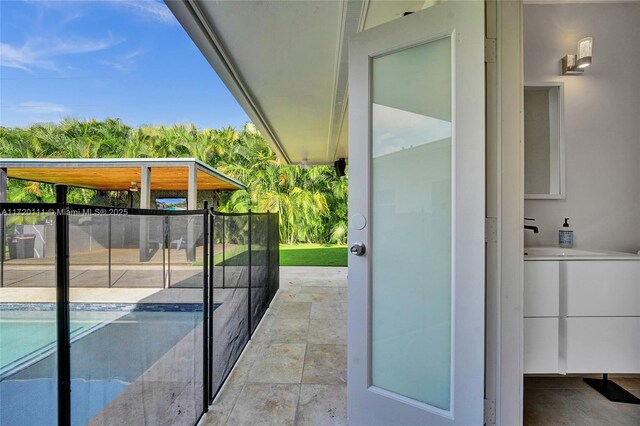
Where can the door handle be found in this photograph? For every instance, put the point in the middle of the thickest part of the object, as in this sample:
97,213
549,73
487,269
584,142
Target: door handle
358,249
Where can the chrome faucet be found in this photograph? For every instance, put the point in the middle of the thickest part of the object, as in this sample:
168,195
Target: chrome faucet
531,227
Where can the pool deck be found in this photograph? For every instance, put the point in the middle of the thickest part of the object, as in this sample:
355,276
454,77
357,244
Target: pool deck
294,369
34,280
103,295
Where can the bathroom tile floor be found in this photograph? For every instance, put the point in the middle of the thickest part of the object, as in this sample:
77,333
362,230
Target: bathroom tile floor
569,401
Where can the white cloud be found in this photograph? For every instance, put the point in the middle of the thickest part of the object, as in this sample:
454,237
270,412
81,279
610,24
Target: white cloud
124,63
41,108
149,9
38,52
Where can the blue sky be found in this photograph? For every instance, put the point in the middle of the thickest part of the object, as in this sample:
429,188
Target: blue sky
127,59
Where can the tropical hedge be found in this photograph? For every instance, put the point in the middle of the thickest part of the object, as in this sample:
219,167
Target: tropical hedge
312,201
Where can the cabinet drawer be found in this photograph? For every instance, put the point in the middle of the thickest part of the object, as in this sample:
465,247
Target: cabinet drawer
541,288
602,288
603,345
541,345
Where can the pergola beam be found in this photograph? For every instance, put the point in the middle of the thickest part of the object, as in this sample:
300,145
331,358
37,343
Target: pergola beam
192,204
3,184
192,188
145,203
145,187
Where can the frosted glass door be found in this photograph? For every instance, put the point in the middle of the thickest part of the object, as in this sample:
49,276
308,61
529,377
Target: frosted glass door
416,219
411,223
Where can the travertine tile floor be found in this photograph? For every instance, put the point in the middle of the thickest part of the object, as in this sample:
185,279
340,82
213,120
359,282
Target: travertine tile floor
568,400
294,370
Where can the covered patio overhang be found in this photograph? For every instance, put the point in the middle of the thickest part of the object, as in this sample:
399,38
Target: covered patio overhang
121,174
286,63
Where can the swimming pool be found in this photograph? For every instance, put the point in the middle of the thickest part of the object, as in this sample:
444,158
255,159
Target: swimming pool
112,346
30,335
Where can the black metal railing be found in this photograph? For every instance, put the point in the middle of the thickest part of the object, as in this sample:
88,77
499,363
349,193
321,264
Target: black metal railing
105,309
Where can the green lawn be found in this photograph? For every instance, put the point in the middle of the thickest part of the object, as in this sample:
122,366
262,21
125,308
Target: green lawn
313,255
291,255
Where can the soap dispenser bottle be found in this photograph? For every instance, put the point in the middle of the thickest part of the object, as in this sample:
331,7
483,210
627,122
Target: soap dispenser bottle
565,235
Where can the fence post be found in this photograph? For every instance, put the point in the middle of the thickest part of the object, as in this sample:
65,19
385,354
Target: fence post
205,307
224,243
168,272
211,303
249,277
163,243
3,199
3,245
109,246
268,261
62,307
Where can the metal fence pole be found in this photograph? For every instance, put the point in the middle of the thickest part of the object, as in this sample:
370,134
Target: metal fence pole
167,283
109,245
276,251
267,298
62,308
211,243
3,199
249,276
224,260
2,253
163,243
206,380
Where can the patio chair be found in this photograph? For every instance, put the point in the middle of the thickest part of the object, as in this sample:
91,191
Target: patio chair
178,243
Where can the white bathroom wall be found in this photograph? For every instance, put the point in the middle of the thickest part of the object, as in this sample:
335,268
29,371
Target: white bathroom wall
602,122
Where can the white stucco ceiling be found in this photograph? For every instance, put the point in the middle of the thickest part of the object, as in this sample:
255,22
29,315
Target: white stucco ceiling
286,63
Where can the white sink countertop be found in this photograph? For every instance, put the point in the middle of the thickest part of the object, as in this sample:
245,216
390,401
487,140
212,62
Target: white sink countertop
559,253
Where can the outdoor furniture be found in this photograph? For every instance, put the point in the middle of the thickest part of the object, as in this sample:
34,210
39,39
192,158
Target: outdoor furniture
21,246
178,243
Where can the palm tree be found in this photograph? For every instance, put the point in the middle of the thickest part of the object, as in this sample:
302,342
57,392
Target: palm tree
312,202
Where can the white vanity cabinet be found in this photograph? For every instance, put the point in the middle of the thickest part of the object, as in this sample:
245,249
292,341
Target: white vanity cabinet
603,316
541,316
582,316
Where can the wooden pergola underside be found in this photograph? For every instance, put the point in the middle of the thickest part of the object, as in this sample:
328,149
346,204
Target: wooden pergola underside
121,174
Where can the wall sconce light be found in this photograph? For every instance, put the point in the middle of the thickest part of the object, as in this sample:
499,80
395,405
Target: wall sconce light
575,64
134,187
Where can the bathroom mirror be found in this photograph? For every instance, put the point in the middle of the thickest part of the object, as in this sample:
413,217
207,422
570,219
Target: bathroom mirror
544,140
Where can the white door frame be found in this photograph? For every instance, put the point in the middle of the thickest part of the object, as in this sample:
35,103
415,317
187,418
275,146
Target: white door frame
505,213
371,404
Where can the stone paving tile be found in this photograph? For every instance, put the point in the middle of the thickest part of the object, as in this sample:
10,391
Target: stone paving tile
330,310
323,290
292,295
279,363
265,404
225,401
287,330
323,283
327,331
322,405
293,310
325,364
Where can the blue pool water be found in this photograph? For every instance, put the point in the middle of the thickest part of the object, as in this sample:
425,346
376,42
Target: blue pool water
112,345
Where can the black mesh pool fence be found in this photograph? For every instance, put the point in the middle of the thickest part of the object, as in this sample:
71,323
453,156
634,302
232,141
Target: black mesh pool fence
244,281
107,309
